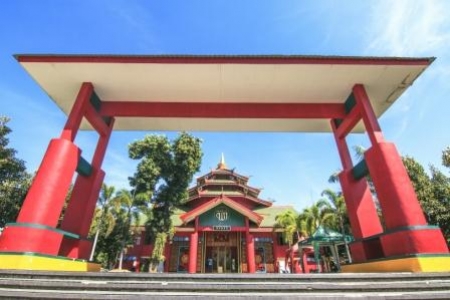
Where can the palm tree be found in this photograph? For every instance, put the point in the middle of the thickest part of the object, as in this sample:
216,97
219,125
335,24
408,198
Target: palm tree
129,207
101,214
288,221
337,208
314,216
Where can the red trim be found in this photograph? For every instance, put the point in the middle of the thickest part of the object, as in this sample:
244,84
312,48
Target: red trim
222,110
213,182
224,171
222,59
247,197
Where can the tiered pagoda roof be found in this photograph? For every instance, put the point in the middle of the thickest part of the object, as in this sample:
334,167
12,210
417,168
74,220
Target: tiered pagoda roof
224,181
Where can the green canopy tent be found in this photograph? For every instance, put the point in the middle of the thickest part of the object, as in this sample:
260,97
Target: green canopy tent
327,237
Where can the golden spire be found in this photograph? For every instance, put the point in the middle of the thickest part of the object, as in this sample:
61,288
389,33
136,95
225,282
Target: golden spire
222,164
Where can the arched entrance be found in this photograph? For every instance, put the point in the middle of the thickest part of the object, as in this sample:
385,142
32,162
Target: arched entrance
223,93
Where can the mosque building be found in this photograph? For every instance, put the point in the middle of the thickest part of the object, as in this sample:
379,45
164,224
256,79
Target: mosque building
223,227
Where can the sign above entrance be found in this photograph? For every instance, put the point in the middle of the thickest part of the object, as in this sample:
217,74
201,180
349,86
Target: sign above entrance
222,228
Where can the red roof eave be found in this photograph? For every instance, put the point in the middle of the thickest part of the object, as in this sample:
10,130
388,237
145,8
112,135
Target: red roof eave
225,59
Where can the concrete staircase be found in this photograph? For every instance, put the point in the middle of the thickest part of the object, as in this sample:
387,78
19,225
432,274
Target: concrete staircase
65,285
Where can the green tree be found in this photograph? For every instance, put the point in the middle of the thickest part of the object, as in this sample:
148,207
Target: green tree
129,207
288,221
433,193
163,174
14,179
441,192
446,157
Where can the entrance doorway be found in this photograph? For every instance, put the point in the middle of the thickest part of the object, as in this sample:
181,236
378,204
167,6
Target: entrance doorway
221,252
221,259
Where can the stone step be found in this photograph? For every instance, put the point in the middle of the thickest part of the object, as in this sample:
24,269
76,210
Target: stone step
67,285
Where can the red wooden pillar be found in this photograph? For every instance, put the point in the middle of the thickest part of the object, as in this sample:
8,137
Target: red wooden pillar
193,248
249,240
167,254
250,253
193,245
407,231
35,229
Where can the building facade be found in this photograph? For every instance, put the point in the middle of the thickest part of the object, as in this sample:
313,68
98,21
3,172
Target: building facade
223,227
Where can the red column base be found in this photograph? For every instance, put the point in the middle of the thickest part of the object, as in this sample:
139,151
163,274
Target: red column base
28,237
366,249
413,240
76,248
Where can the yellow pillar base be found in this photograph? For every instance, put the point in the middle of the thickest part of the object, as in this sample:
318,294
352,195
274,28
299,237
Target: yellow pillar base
39,262
418,263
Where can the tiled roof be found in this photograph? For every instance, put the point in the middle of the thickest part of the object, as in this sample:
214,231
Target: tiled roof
270,213
175,217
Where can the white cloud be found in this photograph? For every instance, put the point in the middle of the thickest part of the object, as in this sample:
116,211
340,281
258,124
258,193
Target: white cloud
118,167
138,20
412,28
406,28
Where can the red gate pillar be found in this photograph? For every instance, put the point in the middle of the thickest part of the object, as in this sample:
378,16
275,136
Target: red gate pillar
35,230
34,242
407,231
81,207
361,209
408,243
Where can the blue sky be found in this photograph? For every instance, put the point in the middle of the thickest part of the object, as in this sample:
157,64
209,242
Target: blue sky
291,168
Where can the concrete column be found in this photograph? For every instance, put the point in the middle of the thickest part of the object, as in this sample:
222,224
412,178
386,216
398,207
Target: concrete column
361,208
407,231
46,196
82,203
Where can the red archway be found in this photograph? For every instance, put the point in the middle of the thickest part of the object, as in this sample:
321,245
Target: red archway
227,93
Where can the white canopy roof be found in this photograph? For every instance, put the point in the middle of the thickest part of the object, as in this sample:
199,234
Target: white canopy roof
224,80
